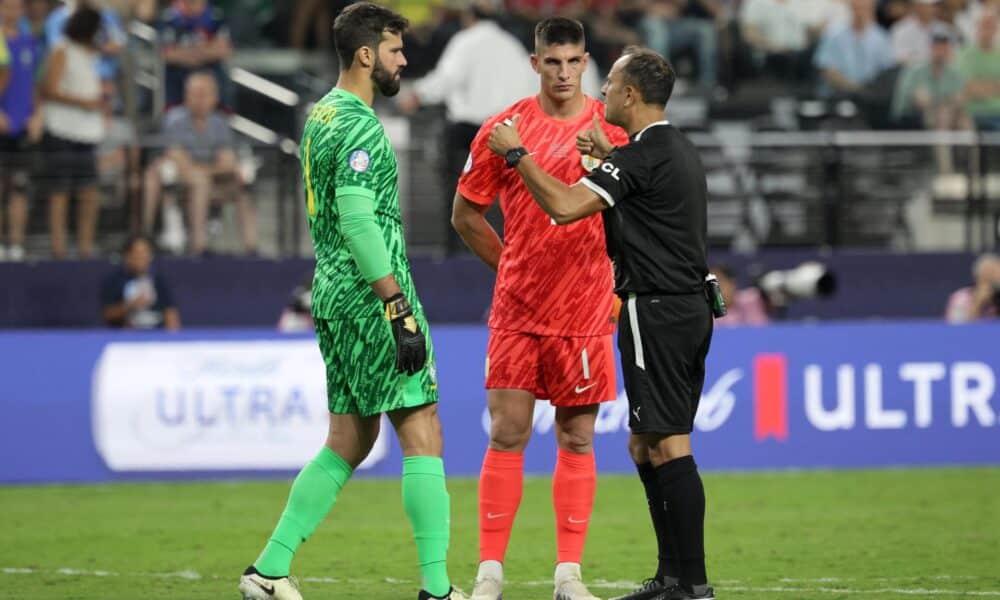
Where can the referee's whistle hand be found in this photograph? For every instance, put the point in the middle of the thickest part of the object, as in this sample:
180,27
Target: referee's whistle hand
504,136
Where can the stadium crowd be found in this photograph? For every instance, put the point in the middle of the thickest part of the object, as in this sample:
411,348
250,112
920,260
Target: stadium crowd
906,64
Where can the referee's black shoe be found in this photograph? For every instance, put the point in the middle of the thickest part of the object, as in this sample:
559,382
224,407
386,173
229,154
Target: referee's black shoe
649,590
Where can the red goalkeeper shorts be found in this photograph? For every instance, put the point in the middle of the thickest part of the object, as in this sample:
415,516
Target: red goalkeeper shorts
567,371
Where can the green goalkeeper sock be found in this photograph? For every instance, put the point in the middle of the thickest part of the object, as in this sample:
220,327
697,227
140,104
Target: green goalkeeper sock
428,506
313,493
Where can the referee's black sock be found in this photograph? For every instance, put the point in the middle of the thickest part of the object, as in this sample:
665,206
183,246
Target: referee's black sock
681,487
668,568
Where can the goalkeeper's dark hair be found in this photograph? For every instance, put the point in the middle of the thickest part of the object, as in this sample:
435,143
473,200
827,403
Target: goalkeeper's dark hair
363,24
558,30
649,73
134,239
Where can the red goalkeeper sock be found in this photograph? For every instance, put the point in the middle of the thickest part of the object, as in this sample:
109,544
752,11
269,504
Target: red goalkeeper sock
573,487
501,483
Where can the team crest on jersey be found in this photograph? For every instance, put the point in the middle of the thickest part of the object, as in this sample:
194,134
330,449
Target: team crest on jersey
359,161
589,162
468,164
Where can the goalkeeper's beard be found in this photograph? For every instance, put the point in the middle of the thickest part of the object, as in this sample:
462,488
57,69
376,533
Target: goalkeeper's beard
386,82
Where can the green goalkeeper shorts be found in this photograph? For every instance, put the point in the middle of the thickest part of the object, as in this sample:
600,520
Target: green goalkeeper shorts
361,375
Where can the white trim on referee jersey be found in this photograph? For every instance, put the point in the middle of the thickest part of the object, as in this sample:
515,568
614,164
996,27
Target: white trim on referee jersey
603,193
639,135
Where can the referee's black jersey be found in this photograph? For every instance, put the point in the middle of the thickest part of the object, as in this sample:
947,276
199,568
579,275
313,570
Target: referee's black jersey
656,224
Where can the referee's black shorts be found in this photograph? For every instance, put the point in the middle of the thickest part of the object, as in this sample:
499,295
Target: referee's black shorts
663,342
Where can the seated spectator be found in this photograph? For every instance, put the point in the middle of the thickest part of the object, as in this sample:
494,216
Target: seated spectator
195,38
672,27
911,36
201,152
134,297
852,56
779,36
930,94
745,306
74,125
979,64
20,54
981,300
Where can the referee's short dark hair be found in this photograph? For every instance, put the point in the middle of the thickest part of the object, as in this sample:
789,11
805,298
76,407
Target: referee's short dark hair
363,24
558,30
650,73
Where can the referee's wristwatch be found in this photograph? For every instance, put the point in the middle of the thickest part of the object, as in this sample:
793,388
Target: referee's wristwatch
514,156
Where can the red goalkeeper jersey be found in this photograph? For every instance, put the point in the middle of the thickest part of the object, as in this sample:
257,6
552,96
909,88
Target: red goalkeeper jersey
553,280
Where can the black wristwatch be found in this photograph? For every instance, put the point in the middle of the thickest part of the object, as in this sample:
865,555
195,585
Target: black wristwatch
514,156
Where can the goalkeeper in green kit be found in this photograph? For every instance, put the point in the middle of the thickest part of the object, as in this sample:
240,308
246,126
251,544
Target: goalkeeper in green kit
370,324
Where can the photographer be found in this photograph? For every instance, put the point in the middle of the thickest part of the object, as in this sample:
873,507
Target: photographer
746,306
982,299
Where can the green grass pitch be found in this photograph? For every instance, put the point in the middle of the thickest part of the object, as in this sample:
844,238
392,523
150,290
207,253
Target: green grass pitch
796,535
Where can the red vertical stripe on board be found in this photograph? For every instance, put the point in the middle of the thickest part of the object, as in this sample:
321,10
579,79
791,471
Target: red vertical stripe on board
770,397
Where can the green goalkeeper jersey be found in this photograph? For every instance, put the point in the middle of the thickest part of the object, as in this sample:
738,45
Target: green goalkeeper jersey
345,151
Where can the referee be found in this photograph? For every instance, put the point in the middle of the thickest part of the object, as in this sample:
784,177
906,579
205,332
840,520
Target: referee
653,195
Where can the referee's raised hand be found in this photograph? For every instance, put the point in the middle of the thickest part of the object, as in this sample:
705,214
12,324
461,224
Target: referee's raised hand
593,141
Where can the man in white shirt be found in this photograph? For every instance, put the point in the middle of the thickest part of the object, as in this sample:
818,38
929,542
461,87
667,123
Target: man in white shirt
911,36
852,56
482,70
779,35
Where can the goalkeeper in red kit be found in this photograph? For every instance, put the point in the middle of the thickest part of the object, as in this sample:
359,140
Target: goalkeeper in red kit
552,320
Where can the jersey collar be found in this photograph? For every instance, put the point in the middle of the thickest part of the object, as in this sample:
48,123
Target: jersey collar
639,135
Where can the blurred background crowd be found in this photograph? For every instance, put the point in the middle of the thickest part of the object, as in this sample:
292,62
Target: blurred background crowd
823,124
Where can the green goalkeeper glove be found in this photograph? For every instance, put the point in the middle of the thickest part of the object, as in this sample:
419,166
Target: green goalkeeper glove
411,346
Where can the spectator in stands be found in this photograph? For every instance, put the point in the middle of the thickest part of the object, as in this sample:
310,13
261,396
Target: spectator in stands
195,38
746,306
981,300
74,125
606,33
296,317
911,36
110,38
200,155
316,15
483,69
929,94
20,55
672,27
36,14
979,64
968,20
778,33
135,297
852,56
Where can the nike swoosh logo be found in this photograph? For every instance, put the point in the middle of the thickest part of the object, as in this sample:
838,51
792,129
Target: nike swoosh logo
492,516
268,589
577,521
580,390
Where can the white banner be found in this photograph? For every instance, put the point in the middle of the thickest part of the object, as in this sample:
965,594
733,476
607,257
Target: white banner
224,405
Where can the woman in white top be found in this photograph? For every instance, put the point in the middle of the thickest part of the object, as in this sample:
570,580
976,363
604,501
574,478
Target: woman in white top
74,125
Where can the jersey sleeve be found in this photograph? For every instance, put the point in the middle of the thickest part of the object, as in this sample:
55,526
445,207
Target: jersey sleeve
618,176
480,179
353,165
